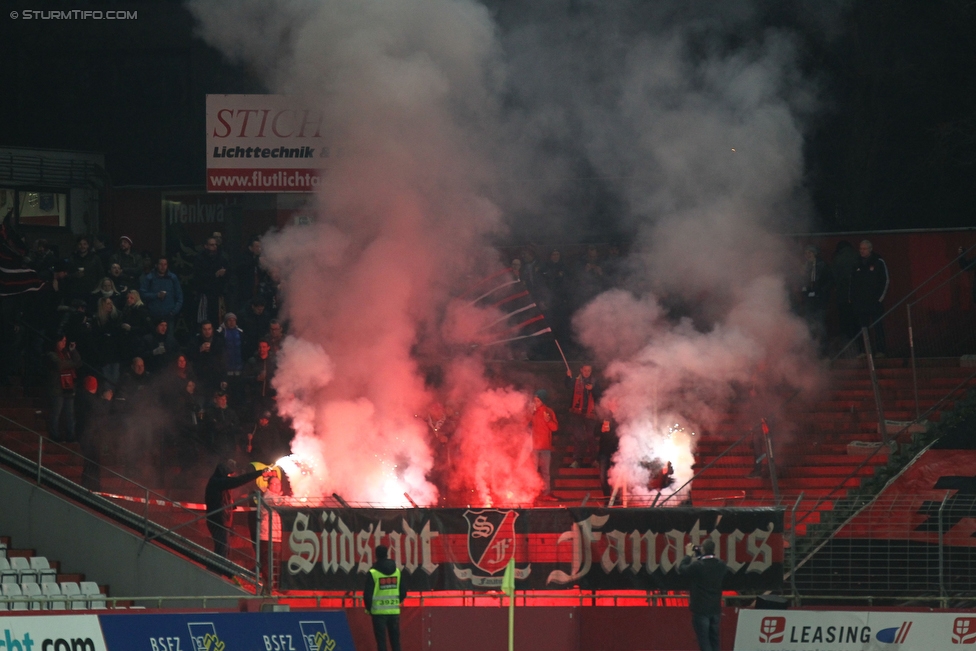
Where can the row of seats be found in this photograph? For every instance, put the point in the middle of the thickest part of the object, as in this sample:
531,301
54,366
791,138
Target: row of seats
19,569
93,598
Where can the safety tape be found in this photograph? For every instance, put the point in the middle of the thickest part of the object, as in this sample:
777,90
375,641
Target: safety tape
192,506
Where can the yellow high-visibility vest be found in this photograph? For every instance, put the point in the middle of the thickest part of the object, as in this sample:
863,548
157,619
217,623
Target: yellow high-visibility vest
386,593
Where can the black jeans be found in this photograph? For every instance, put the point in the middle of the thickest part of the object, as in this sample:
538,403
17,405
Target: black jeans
706,629
383,624
866,315
219,535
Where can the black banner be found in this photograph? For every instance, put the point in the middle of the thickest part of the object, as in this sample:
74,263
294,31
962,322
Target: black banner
468,549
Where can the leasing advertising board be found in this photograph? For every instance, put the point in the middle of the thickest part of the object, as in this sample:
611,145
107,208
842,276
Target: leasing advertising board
812,630
465,549
264,143
51,633
307,631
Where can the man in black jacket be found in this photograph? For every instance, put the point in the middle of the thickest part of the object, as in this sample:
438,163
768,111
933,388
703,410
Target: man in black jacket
210,281
869,284
706,573
218,498
383,594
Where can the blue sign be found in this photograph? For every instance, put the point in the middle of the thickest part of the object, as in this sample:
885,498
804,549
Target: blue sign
305,631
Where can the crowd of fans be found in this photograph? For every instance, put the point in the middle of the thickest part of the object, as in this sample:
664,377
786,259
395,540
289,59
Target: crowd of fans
175,363
560,287
149,365
852,285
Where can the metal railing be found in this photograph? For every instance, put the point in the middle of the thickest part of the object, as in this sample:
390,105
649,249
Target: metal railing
896,547
95,603
156,517
900,403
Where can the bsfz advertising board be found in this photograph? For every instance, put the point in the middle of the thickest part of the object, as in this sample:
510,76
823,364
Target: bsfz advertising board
309,631
265,143
468,549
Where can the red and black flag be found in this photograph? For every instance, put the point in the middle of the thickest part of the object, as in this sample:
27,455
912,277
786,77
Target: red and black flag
15,276
518,315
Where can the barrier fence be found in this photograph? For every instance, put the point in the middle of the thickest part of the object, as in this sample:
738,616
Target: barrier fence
899,546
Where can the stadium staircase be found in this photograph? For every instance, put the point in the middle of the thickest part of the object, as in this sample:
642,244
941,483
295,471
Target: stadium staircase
823,450
172,503
821,447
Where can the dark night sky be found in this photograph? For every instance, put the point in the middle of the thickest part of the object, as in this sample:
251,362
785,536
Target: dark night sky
892,145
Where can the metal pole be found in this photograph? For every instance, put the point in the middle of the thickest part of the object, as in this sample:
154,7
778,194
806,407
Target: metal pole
145,517
773,478
257,546
911,348
270,565
796,595
942,589
882,426
40,457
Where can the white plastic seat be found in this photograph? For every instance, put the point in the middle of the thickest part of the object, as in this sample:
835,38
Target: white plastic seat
32,590
53,590
24,572
11,590
90,589
70,589
45,573
3,550
7,574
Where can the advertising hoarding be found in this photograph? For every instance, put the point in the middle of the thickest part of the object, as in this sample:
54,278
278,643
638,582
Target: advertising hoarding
264,143
306,631
51,633
827,630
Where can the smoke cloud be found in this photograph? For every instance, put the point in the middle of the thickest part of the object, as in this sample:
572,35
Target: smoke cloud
678,126
702,141
409,93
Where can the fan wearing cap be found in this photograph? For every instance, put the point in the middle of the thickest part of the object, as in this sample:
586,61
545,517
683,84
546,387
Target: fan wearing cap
543,424
126,258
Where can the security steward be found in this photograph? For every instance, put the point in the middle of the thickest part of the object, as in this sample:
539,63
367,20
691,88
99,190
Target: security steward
383,593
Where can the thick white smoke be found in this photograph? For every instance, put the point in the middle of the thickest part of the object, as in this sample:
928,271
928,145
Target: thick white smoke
407,89
710,146
687,115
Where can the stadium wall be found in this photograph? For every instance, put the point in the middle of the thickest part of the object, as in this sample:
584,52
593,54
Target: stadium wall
84,542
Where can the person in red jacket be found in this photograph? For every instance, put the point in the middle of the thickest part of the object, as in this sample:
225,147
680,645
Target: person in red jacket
543,424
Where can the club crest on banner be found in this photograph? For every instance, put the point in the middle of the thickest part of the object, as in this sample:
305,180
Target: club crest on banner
491,543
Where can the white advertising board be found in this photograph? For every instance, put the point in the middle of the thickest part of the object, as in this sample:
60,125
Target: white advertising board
264,143
51,633
831,630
